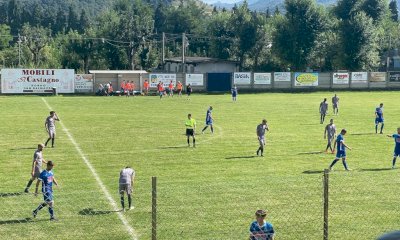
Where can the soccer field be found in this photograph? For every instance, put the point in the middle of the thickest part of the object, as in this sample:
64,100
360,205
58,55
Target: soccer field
207,192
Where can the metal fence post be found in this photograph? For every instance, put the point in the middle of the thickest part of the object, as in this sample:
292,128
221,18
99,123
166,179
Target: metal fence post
326,203
154,208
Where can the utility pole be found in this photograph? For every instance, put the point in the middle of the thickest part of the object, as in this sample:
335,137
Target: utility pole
183,51
19,50
163,48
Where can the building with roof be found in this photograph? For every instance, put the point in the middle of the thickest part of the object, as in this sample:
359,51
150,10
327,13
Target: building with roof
199,65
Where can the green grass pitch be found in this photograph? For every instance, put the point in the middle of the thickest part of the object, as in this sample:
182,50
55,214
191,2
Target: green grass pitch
210,192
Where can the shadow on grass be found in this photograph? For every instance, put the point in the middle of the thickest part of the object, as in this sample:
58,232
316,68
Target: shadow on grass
362,134
173,147
241,157
375,169
16,221
91,211
309,153
2,195
313,172
23,148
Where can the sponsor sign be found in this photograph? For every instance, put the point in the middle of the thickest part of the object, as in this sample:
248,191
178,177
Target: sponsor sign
262,78
394,76
378,77
195,79
282,77
83,83
155,78
306,79
341,78
37,80
241,77
359,77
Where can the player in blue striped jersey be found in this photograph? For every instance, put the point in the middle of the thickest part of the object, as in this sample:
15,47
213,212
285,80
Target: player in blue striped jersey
341,150
379,118
396,137
261,229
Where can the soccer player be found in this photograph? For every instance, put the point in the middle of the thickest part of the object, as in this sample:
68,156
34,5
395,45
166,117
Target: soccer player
50,126
330,130
160,88
146,87
132,88
379,118
123,84
188,91
36,166
209,120
341,150
179,87
126,177
396,147
171,89
335,104
261,128
261,229
234,92
47,179
128,89
323,108
190,129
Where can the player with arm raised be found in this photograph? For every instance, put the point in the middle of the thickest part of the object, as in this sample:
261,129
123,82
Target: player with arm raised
260,131
396,137
341,150
126,178
36,166
50,126
47,179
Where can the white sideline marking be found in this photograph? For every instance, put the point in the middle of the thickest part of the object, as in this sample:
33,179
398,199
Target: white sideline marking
130,230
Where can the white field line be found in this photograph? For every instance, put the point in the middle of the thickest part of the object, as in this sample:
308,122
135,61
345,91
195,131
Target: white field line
130,230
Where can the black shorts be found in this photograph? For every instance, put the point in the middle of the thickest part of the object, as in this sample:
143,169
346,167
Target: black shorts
189,132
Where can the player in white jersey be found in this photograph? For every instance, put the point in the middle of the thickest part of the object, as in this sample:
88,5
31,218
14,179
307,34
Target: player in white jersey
126,178
330,131
36,166
50,126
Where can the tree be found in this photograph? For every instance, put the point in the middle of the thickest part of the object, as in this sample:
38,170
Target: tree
346,9
375,9
394,12
277,12
83,22
36,39
220,31
5,36
14,13
61,22
296,32
72,19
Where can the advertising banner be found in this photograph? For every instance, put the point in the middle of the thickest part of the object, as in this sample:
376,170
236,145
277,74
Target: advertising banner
282,77
195,79
378,77
359,77
306,79
394,76
37,80
241,78
155,78
83,83
341,78
262,78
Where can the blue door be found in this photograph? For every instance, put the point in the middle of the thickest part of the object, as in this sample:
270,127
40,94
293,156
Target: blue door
219,82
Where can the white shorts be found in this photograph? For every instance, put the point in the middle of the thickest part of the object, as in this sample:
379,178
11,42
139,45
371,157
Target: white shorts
52,132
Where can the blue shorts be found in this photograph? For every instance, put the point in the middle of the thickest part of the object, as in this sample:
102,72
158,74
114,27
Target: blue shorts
48,196
378,120
209,122
341,154
396,153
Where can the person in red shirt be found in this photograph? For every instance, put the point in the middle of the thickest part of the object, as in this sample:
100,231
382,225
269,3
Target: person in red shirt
179,87
146,87
160,87
133,88
171,89
123,84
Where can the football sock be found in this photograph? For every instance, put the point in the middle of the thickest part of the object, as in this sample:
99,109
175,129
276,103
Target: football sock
212,129
51,211
262,151
204,128
345,164
129,201
122,202
40,207
333,163
382,127
194,141
376,128
394,162
188,141
47,141
29,184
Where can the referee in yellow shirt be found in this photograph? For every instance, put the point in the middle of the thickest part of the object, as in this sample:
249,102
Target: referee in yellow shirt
190,129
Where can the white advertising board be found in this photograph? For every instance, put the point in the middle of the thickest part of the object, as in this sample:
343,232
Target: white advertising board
282,77
359,77
241,78
262,78
83,83
37,80
341,78
155,78
195,79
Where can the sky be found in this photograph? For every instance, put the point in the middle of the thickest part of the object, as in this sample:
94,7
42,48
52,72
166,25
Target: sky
223,1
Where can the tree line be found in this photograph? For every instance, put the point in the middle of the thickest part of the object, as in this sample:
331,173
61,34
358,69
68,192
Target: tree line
352,35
